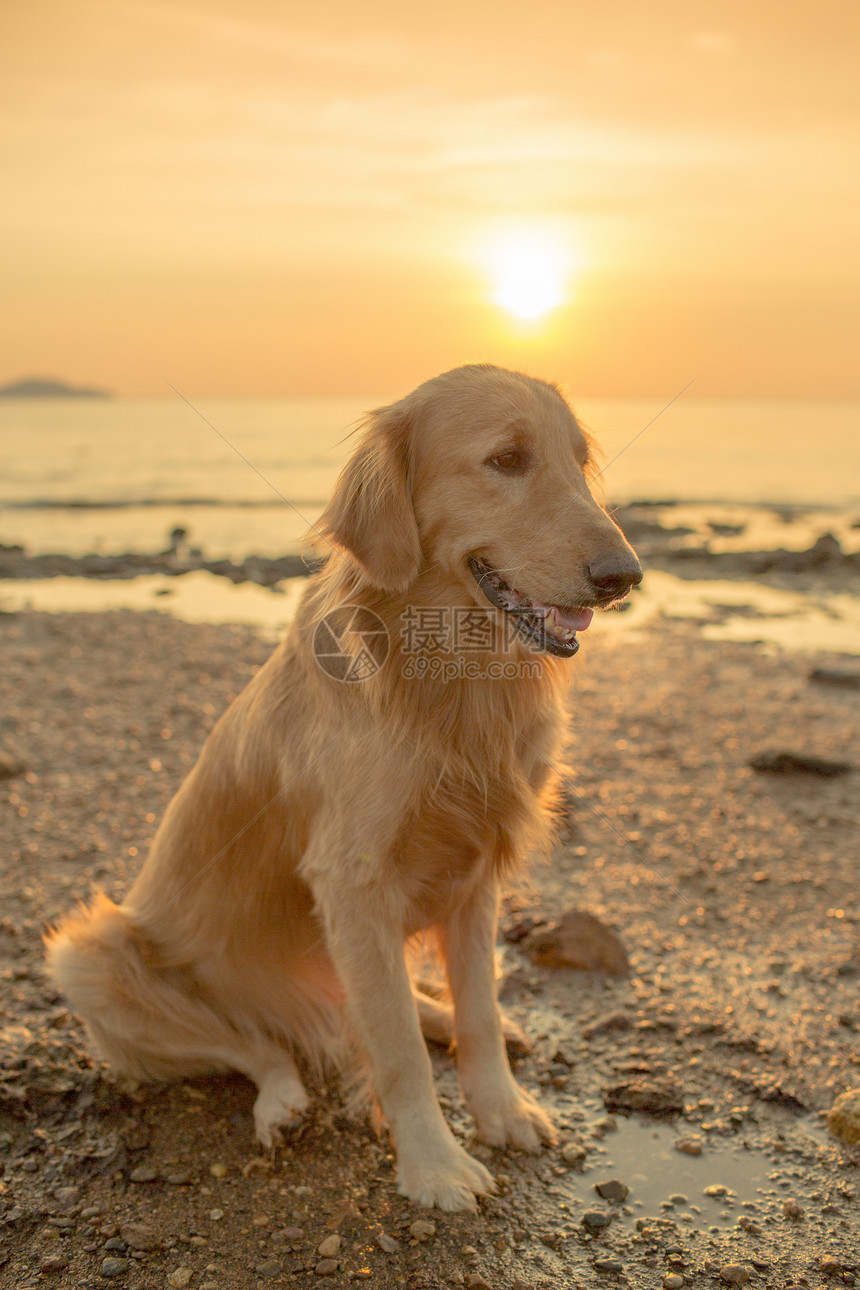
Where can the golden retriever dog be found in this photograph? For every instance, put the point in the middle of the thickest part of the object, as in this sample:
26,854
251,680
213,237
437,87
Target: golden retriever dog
377,779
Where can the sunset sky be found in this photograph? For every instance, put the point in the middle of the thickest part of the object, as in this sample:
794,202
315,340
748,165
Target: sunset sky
268,198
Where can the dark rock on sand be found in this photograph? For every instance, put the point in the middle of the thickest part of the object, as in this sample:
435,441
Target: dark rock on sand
835,677
579,940
652,1096
788,763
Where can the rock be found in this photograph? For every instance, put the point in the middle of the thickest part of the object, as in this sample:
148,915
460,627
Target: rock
218,1169
179,1278
138,1236
691,1146
611,1023
114,1267
608,1265
673,1282
734,1274
791,1209
835,677
573,1153
612,1190
326,1267
10,767
269,1268
596,1219
387,1243
658,1095
789,763
67,1196
51,1263
843,1118
143,1174
330,1247
833,1265
422,1230
579,940
474,1281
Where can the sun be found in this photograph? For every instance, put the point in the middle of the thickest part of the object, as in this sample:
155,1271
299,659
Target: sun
530,272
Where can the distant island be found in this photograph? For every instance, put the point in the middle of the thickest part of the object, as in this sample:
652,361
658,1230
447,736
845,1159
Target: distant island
35,387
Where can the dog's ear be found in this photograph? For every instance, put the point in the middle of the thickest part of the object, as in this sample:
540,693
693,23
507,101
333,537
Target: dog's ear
370,515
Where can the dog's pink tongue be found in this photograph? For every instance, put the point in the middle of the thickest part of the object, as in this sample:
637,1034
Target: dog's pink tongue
575,620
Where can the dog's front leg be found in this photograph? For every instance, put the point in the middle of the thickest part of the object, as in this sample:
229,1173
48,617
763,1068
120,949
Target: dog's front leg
504,1113
432,1168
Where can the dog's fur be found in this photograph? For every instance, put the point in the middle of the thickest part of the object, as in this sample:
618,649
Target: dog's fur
328,822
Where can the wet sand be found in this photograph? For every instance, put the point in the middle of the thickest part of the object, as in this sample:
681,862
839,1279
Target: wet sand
733,891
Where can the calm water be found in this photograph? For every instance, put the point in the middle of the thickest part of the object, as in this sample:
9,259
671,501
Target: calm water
116,475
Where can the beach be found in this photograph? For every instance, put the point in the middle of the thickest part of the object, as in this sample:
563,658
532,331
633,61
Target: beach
727,871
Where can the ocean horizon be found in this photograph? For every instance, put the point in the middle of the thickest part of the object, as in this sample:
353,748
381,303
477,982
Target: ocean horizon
251,475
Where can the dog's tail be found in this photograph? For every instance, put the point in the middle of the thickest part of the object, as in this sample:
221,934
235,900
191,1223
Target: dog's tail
139,1021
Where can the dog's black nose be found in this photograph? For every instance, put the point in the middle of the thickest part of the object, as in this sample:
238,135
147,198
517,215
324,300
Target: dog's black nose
614,575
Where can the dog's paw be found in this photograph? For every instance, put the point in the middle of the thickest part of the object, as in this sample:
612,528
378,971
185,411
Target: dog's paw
514,1120
282,1101
445,1176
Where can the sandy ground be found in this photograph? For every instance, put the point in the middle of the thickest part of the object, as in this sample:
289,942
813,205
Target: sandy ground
733,890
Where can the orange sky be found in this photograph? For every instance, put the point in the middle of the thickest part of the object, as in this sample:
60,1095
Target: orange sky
272,198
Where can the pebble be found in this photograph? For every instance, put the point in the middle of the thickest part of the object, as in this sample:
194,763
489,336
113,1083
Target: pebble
734,1274
269,1268
791,1209
612,1190
716,1189
652,1095
573,1153
843,1118
140,1237
387,1243
474,1281
579,940
330,1247
143,1174
422,1230
691,1146
53,1263
595,1220
113,1267
218,1169
608,1265
326,1267
673,1282
67,1196
179,1278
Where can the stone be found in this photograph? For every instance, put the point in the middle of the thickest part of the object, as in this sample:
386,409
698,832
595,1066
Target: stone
474,1281
330,1247
50,1263
596,1219
608,1265
139,1236
113,1267
691,1146
734,1274
573,1153
67,1196
654,1095
269,1268
179,1278
387,1243
579,940
673,1282
843,1118
326,1267
218,1169
611,1023
422,1230
613,1190
791,1209
143,1174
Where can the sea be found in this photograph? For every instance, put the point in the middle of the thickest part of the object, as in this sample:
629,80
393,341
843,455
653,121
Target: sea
249,476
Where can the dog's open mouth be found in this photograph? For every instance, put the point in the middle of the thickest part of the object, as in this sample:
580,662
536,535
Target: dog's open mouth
549,627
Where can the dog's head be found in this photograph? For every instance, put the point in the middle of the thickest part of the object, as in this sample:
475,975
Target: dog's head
483,475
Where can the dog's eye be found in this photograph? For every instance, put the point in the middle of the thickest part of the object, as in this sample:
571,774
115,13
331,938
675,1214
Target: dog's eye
513,462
